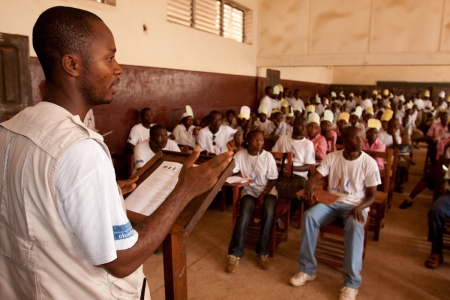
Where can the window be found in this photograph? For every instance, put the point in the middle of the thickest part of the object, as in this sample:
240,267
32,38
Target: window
110,2
218,17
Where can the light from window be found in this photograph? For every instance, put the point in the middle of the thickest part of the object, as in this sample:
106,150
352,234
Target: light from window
110,2
214,16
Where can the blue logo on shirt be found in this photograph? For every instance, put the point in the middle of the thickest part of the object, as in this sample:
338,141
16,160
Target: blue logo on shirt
122,232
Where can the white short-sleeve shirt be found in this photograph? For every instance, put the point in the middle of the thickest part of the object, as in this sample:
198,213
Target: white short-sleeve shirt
349,178
89,202
89,120
302,152
138,133
280,131
261,168
143,153
264,126
268,102
206,138
184,136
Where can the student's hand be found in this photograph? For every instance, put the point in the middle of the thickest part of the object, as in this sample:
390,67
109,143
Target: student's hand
357,214
308,195
259,202
127,186
195,181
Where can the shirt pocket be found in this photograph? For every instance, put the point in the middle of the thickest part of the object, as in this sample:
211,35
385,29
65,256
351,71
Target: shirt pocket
127,288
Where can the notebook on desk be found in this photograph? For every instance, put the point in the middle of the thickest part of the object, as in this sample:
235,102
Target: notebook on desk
322,196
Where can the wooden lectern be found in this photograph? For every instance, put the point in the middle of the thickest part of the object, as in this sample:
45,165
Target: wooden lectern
174,245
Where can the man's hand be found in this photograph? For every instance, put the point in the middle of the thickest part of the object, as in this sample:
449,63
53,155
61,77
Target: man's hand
195,181
308,194
357,214
127,186
259,202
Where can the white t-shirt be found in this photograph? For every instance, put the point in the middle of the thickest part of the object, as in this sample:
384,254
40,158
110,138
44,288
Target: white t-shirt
143,153
89,202
366,103
349,178
89,120
419,103
268,102
280,131
385,138
302,152
276,104
264,126
297,103
222,137
184,136
261,168
138,133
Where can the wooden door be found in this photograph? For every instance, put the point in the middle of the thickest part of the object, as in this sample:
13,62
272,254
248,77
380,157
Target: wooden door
15,79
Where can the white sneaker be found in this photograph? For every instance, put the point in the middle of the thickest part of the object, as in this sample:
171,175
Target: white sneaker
348,293
300,278
233,263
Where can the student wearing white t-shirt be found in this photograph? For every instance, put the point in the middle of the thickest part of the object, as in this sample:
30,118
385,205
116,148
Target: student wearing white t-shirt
263,123
159,140
267,100
183,132
259,165
214,138
302,155
354,176
277,127
140,132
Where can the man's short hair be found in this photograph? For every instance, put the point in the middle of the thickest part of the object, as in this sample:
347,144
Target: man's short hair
59,31
144,110
214,113
347,131
156,128
266,90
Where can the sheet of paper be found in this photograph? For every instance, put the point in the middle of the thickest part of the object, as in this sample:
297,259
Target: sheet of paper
236,179
152,192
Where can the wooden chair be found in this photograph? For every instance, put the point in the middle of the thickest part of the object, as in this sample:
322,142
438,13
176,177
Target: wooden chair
270,141
299,213
185,148
282,208
379,208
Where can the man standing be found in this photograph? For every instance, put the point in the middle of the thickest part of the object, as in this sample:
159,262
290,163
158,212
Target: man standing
64,233
352,175
267,100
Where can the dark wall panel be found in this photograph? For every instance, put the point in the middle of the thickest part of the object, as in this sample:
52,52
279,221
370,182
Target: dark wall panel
307,89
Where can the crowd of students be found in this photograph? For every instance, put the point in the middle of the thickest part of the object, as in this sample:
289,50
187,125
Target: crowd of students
314,131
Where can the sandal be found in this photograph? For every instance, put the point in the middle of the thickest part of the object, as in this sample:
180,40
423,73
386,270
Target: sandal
405,204
434,261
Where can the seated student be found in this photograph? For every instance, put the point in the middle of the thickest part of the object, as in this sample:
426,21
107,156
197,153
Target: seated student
289,120
372,142
257,164
244,120
313,134
434,134
443,144
298,112
354,121
183,132
325,127
213,139
302,155
159,140
277,127
230,120
320,108
437,216
342,122
140,132
354,176
275,102
368,114
263,124
383,135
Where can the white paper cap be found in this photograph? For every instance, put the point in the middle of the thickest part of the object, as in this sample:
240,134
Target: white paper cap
374,123
276,90
328,116
310,108
245,113
262,109
357,112
442,94
314,118
333,94
341,94
298,108
402,98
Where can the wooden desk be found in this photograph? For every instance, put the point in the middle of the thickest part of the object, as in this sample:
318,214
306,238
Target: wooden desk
174,245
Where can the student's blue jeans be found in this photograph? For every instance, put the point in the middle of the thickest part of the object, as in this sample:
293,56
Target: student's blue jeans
321,215
437,215
247,205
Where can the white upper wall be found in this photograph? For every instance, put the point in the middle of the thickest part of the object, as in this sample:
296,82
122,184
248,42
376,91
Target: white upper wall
353,33
165,45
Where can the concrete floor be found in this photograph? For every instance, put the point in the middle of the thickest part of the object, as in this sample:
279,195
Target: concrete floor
392,269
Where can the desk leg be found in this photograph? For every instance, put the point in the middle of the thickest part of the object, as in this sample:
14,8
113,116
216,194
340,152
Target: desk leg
175,277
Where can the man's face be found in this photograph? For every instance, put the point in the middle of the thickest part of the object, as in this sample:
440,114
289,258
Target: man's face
243,123
372,135
342,124
354,119
215,122
325,126
312,129
230,118
188,121
278,118
160,138
385,125
297,94
100,74
147,117
262,117
298,127
353,142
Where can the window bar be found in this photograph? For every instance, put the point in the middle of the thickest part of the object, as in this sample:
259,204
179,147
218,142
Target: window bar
193,6
221,17
243,26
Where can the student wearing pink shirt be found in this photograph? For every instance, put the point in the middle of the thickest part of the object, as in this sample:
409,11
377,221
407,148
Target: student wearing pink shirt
330,135
313,130
372,143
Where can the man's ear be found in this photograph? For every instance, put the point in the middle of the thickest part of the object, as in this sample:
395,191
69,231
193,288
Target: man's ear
71,64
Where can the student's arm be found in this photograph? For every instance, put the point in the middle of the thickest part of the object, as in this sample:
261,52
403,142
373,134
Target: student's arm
311,183
366,202
303,168
267,190
193,181
321,150
130,148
